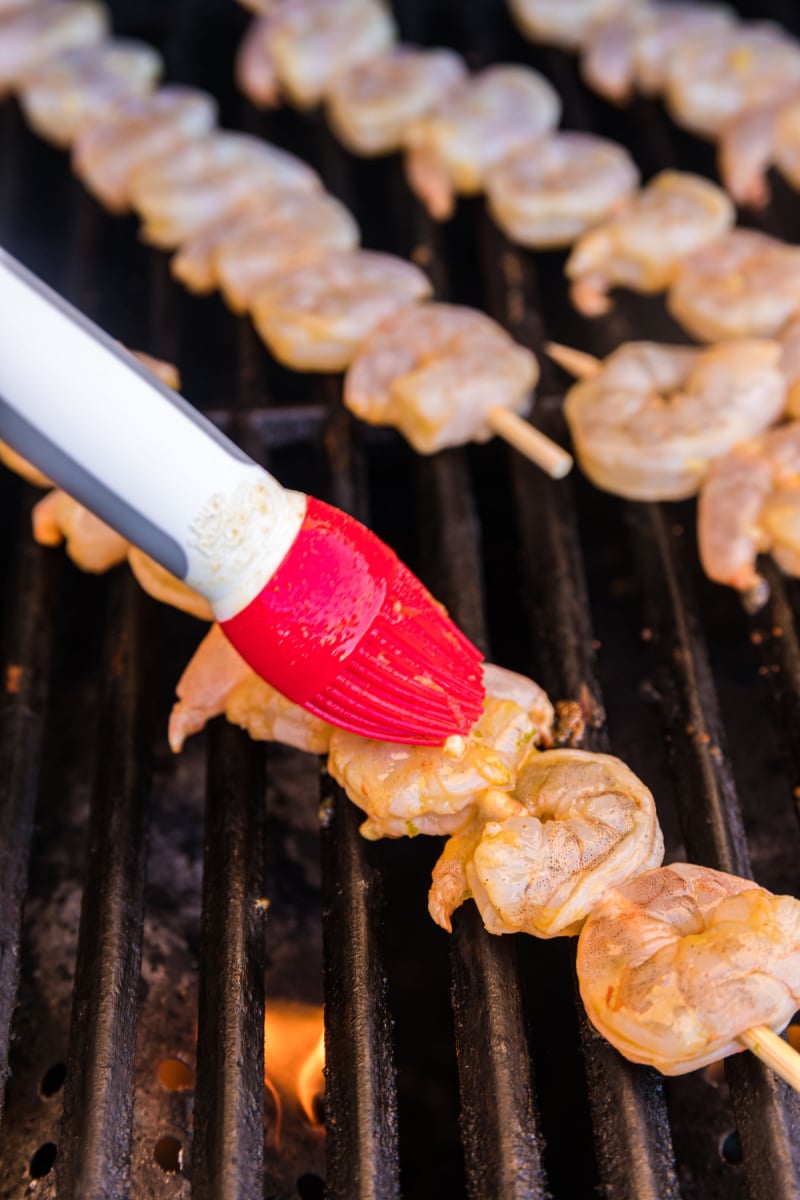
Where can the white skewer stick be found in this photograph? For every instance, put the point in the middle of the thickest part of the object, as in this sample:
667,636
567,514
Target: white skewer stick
520,434
576,362
775,1052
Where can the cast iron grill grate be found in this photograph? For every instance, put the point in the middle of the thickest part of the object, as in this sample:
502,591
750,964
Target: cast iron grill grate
133,922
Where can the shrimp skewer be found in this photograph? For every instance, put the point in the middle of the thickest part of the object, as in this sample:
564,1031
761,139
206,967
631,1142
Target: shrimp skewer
567,23
444,375
684,965
756,139
34,33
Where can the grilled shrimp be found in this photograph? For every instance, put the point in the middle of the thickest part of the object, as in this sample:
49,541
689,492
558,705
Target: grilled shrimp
710,81
584,823
298,48
760,137
371,104
434,371
745,284
551,191
37,32
218,681
567,23
208,177
749,505
134,131
642,246
65,93
675,965
406,790
315,317
490,115
91,544
648,424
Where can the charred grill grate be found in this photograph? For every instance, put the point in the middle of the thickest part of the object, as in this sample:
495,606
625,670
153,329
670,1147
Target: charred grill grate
473,1074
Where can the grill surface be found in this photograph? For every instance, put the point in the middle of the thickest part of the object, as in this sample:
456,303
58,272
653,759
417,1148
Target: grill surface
132,922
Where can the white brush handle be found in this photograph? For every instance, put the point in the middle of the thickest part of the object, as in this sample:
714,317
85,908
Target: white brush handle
84,411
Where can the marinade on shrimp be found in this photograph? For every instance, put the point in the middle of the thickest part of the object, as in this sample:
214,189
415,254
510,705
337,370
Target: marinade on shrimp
675,966
406,790
642,245
582,823
491,114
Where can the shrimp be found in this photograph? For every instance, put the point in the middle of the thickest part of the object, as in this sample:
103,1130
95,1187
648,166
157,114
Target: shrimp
34,33
315,317
61,96
165,587
567,23
91,544
676,965
406,790
711,80
745,284
435,371
298,47
218,681
649,422
206,178
550,192
135,131
756,139
491,114
585,823
370,105
642,245
749,505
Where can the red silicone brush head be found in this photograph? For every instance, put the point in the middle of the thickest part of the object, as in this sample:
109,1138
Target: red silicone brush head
344,629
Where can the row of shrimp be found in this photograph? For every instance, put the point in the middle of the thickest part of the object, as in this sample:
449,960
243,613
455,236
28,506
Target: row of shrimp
734,82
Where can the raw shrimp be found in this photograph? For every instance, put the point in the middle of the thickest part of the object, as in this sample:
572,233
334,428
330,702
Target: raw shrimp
315,317
650,421
299,47
755,140
91,544
406,790
35,33
711,80
134,131
435,371
487,117
641,247
676,965
295,230
165,587
567,23
65,93
551,191
584,823
206,178
370,105
745,284
749,505
217,680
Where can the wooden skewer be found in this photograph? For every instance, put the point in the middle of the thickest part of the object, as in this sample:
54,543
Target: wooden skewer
519,433
775,1052
577,362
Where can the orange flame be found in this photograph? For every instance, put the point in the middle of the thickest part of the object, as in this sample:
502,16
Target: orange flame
294,1057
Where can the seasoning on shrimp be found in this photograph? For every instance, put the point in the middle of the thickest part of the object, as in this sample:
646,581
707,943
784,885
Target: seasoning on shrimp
406,790
218,681
435,372
208,177
676,965
370,105
490,115
649,420
37,32
315,317
135,131
549,192
745,284
582,823
65,93
642,245
297,48
749,505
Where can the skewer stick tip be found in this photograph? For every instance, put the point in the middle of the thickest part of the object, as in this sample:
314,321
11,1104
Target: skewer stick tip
541,450
575,362
782,1058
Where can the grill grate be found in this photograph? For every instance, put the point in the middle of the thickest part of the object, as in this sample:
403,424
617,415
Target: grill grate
477,1075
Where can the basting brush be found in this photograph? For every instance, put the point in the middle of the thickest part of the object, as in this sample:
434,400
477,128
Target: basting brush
316,603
